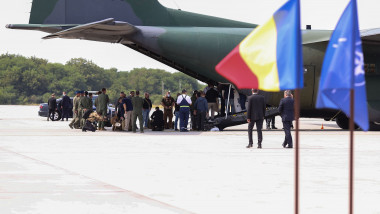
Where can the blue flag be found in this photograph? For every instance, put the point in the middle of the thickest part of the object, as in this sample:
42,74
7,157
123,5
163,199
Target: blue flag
343,69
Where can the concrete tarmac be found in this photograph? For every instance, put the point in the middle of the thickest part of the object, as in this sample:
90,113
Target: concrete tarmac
46,167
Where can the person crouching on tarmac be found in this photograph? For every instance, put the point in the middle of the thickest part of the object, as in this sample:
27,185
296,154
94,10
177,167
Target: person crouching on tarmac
157,120
91,117
184,103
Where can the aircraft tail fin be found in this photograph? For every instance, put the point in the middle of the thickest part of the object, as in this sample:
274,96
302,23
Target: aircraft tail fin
135,12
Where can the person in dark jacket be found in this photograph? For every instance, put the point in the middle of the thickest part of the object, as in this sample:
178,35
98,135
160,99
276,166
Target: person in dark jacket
255,114
52,104
157,120
119,108
193,98
286,109
65,106
200,110
212,98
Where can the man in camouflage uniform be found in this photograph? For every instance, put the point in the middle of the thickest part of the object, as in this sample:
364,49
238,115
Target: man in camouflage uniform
80,113
85,104
74,122
137,103
102,106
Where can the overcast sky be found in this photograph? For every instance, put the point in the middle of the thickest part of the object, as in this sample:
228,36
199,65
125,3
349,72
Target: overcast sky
321,14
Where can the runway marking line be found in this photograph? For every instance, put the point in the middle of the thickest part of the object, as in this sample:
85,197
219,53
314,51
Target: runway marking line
147,199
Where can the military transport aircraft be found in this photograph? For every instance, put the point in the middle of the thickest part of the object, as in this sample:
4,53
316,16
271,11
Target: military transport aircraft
193,44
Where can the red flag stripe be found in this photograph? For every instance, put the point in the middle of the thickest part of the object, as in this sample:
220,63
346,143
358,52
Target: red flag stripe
234,62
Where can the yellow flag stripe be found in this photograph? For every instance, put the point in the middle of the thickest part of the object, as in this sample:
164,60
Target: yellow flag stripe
259,52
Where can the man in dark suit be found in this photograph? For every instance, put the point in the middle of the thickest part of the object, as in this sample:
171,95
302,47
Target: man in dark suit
65,106
286,109
52,104
255,114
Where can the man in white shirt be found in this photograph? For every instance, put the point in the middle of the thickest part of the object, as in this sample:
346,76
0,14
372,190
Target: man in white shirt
184,103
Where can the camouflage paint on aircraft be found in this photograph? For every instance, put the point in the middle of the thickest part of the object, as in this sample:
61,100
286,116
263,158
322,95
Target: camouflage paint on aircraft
191,43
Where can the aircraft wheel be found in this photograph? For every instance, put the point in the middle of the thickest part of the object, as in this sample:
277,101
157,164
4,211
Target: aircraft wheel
374,127
344,122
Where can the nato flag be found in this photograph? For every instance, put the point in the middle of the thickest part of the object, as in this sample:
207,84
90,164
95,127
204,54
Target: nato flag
343,69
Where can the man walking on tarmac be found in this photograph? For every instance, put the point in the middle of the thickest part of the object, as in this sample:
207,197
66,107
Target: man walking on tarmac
184,103
102,107
255,114
137,103
286,109
74,122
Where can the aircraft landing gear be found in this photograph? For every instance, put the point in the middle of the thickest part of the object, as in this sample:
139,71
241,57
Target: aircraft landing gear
343,121
374,126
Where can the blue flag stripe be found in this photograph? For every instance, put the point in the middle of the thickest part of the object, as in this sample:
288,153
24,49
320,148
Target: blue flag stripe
289,45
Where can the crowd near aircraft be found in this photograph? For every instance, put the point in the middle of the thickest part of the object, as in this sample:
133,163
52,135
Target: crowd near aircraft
194,44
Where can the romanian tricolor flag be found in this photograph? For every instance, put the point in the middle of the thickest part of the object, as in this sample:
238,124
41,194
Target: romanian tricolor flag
270,57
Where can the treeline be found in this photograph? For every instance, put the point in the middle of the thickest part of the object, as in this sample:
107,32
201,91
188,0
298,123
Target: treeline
32,80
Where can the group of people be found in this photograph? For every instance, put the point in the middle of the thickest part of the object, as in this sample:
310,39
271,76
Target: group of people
64,106
83,103
256,112
129,108
198,107
132,107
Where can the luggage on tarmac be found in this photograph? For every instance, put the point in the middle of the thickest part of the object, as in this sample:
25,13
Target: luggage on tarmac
89,126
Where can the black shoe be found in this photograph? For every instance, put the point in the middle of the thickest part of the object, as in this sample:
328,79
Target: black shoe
259,146
273,127
284,144
71,126
249,146
268,127
289,147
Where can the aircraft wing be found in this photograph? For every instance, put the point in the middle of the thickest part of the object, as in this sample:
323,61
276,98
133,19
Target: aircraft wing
107,30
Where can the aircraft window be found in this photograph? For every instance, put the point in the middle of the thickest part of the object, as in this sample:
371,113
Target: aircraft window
370,68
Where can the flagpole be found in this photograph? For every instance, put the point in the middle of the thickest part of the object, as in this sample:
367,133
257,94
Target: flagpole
352,106
351,197
297,115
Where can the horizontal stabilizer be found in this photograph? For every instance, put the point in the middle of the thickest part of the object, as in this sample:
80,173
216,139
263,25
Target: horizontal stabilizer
48,28
371,35
315,36
102,30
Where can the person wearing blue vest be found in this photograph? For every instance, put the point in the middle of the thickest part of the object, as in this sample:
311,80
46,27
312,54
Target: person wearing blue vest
184,103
